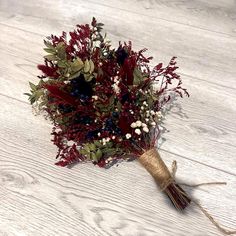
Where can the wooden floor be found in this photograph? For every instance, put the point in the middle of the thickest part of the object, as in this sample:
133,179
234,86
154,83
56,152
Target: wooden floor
38,198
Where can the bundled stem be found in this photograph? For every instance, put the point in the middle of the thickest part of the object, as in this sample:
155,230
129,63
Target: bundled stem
153,163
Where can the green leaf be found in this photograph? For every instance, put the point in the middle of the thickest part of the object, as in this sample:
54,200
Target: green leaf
60,45
109,144
86,147
51,57
33,86
86,66
74,75
83,152
100,24
93,157
91,64
27,94
109,151
98,154
112,100
88,77
97,143
61,53
92,147
138,76
62,64
32,100
49,50
119,106
48,44
76,65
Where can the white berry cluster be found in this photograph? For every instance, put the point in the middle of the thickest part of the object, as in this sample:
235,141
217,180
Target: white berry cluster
115,85
95,97
138,126
153,117
105,140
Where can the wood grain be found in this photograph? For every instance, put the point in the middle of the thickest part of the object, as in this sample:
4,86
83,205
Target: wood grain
39,198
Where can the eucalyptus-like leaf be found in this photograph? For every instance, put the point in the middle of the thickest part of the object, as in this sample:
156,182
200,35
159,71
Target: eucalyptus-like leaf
138,76
88,77
51,57
97,143
86,66
62,64
75,75
92,146
93,157
76,65
32,86
98,154
91,64
48,44
50,50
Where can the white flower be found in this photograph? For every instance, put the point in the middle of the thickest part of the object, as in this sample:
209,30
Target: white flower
108,139
70,143
138,123
147,119
144,125
113,137
142,107
128,136
145,103
116,88
159,114
95,97
137,131
152,112
153,123
99,134
133,125
116,79
145,129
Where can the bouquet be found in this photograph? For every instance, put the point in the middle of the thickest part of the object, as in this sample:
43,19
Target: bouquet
106,104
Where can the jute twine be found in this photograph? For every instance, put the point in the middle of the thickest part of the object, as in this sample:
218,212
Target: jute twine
153,163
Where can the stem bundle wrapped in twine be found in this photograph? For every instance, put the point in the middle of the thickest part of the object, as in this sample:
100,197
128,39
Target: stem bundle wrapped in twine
153,163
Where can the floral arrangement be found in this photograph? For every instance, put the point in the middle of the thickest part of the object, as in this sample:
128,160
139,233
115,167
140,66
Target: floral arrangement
106,103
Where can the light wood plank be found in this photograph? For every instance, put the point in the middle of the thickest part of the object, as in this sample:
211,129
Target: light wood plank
215,16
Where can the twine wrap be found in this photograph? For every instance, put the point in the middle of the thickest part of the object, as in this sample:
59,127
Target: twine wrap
153,163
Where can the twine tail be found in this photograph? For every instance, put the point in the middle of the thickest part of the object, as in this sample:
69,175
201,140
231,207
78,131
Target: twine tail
153,163
213,221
